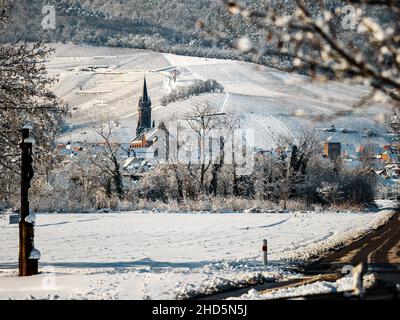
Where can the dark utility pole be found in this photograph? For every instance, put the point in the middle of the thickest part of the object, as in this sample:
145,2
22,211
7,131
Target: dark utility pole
28,255
218,166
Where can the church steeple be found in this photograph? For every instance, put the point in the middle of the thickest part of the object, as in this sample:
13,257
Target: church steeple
144,121
145,96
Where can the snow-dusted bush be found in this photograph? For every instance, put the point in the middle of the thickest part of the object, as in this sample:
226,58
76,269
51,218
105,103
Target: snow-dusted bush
195,89
357,187
330,191
209,204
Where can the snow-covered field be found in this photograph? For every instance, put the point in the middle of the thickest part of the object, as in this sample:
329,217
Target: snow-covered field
266,100
167,256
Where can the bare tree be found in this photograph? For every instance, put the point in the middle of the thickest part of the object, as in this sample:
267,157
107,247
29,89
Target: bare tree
203,121
171,155
230,123
105,156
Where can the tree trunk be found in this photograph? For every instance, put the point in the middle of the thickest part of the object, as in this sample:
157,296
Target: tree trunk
117,177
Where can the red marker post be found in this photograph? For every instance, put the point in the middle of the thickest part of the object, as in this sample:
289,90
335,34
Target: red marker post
265,251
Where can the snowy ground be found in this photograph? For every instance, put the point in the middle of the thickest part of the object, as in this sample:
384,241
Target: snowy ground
168,256
344,284
266,100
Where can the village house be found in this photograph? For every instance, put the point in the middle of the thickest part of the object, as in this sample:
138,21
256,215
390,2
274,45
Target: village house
332,149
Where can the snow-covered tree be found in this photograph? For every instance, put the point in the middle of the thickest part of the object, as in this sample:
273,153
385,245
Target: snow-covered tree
356,40
25,97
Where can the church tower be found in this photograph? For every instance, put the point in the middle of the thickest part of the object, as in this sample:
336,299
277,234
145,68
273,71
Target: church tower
144,111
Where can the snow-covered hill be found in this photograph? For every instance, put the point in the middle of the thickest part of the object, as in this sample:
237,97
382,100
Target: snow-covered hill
107,83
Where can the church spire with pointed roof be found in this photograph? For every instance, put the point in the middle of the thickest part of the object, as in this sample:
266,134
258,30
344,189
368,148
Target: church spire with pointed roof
145,96
144,121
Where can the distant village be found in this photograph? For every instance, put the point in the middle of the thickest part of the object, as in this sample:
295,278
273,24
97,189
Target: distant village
143,152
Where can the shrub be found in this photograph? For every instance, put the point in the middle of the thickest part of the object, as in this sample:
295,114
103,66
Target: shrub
197,88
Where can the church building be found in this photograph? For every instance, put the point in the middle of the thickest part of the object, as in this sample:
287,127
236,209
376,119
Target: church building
146,133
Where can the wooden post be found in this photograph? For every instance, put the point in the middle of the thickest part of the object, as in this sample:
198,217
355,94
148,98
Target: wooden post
27,266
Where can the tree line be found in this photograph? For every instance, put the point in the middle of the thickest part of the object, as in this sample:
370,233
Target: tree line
292,173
